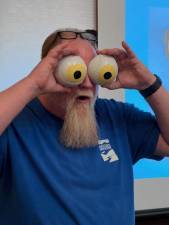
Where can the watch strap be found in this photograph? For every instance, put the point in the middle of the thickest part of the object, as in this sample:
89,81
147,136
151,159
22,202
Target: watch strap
152,88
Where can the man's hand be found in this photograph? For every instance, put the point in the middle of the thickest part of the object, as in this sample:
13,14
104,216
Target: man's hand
132,73
43,74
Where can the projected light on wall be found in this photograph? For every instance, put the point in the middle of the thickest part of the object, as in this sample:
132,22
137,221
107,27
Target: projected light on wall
167,43
152,47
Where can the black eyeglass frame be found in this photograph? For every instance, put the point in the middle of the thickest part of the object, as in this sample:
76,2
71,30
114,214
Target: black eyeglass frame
93,32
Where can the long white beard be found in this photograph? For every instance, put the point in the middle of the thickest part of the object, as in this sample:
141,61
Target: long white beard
80,126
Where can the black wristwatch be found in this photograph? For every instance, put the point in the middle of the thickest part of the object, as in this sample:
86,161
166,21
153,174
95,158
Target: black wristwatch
152,88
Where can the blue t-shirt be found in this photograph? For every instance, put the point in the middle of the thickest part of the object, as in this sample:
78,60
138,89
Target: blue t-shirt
44,183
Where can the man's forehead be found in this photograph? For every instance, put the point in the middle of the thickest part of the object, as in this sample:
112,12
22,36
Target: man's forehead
78,43
82,48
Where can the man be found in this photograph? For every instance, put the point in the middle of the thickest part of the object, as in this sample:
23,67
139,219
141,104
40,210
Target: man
65,157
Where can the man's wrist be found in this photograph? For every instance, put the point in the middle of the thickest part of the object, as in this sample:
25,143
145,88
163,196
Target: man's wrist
34,89
152,88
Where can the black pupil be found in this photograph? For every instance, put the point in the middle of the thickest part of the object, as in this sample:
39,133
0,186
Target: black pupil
77,74
107,75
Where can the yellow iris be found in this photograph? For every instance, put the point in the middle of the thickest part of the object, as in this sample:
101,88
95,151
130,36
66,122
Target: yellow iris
78,69
106,69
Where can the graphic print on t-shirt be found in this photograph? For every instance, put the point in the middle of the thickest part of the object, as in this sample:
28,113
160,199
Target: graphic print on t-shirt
107,152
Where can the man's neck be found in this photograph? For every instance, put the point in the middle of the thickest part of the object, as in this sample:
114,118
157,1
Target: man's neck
52,103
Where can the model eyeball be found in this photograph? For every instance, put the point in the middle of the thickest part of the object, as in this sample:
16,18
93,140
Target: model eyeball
71,71
103,69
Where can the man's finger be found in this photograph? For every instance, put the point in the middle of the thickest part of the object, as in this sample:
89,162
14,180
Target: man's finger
128,50
54,52
114,85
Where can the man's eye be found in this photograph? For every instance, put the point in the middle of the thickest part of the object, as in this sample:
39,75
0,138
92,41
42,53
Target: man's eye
71,71
102,69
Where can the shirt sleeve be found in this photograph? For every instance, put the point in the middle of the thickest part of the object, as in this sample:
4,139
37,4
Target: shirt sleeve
143,133
3,149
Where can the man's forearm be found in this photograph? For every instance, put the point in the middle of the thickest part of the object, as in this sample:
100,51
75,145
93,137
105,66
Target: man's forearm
13,100
159,102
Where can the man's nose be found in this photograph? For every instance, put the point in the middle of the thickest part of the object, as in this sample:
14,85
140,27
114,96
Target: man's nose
87,83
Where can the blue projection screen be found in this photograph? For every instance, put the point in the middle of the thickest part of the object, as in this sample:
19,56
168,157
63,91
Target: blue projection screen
147,32
158,62
148,37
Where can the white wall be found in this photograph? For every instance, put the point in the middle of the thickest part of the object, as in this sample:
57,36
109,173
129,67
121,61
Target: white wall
152,193
25,24
111,32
